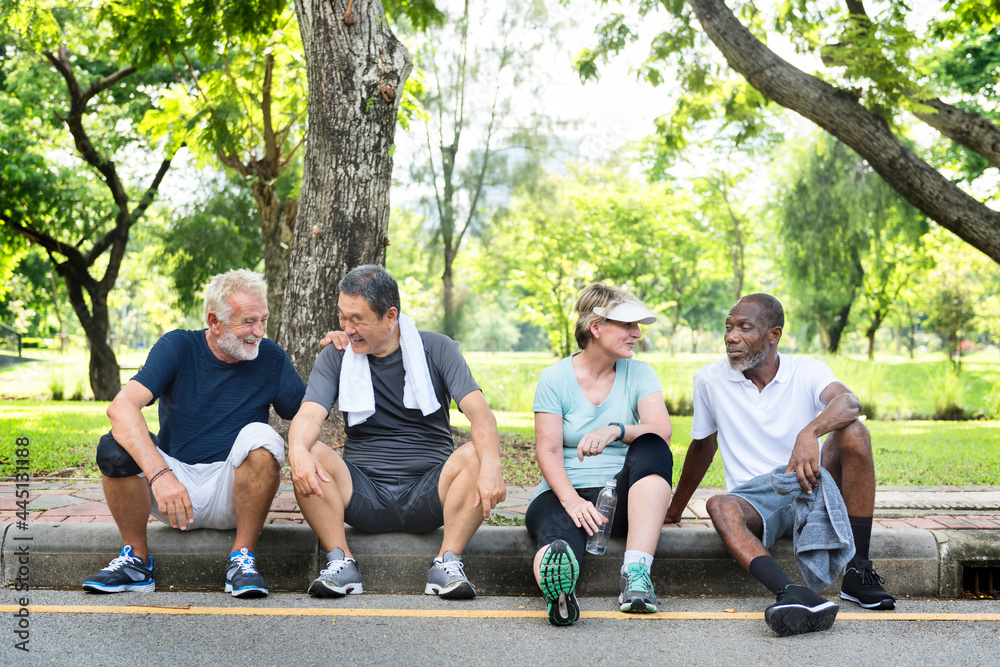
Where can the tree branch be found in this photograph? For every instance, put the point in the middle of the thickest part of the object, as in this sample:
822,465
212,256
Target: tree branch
972,130
839,113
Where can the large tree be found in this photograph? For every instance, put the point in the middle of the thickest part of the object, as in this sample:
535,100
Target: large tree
875,67
356,71
69,102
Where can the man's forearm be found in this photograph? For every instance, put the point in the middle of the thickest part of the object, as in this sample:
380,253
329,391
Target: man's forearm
696,463
842,411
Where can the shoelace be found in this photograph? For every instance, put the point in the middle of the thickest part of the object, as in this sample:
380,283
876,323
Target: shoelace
869,577
638,579
118,562
334,567
453,568
246,563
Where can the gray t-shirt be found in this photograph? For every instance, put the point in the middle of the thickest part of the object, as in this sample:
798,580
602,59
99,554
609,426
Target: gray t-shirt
397,441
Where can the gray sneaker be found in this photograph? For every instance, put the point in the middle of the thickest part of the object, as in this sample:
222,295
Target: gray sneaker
341,577
447,579
637,590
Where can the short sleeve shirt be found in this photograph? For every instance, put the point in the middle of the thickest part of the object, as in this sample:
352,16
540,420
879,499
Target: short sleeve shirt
205,402
558,392
757,429
397,441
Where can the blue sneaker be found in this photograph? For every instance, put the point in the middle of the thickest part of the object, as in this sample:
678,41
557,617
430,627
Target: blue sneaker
125,573
558,573
242,578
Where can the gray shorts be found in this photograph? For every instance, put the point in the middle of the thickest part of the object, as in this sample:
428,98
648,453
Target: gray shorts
777,512
383,505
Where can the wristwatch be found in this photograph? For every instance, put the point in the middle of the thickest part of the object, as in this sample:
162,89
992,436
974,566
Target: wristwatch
622,427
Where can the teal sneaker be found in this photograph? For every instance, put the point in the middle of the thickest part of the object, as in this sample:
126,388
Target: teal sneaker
637,590
558,574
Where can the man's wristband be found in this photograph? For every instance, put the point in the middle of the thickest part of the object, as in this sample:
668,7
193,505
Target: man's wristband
622,427
154,477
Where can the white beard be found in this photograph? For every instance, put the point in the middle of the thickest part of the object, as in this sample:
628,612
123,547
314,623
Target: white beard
233,346
748,362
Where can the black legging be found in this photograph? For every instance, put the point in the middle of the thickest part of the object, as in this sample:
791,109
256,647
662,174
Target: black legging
547,521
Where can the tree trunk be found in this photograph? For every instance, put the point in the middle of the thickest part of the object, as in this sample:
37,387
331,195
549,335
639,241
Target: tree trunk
356,69
277,223
105,374
835,329
449,326
839,113
873,327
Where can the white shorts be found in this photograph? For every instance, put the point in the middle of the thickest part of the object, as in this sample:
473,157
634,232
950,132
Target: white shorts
210,485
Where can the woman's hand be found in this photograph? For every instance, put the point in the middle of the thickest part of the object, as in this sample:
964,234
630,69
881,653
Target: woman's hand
584,514
593,443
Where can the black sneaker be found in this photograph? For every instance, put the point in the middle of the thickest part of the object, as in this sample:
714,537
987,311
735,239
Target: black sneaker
863,586
558,573
798,610
242,578
126,573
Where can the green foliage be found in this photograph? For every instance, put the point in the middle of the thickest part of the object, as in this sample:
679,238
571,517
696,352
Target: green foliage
844,233
211,236
567,232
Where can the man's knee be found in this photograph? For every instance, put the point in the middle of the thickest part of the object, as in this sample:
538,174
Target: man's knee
464,458
113,460
726,507
854,440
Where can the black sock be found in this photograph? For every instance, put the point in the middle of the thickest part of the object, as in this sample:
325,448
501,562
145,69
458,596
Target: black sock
861,526
767,572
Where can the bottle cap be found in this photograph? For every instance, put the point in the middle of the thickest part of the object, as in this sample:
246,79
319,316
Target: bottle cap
611,482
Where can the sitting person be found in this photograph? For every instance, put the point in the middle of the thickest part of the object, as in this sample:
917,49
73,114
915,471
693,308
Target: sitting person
766,410
400,470
215,462
599,414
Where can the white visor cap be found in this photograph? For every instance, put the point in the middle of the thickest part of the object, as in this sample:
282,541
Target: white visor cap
627,312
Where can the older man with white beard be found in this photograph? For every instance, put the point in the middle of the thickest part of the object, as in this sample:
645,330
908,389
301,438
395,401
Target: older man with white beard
766,413
215,462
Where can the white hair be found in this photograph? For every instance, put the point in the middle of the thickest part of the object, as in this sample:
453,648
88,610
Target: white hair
224,285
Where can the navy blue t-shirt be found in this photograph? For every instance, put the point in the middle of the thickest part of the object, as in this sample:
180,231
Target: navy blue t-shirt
205,402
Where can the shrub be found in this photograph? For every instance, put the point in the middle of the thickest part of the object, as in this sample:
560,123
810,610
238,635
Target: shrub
679,405
57,389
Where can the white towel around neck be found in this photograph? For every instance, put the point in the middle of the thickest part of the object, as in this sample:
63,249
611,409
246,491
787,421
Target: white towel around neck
357,397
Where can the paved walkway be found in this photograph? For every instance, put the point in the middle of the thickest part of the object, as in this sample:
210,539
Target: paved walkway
931,508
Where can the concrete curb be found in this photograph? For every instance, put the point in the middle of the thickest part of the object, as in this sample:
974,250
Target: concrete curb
690,560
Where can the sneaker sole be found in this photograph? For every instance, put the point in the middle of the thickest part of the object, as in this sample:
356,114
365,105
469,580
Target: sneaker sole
564,610
797,619
246,591
461,590
637,606
881,604
95,587
321,590
558,573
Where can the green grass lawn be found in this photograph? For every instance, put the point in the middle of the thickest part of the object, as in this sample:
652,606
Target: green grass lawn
63,434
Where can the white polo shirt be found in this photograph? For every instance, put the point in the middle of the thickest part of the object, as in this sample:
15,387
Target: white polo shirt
757,429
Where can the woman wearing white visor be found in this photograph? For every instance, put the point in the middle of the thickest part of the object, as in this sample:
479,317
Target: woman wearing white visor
599,414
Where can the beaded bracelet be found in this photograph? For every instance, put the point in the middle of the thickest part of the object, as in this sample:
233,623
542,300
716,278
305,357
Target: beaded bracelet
153,478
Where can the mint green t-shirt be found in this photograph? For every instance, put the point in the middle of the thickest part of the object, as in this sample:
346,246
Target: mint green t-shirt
559,393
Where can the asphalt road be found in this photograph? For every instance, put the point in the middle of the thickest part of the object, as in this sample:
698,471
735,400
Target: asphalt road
414,630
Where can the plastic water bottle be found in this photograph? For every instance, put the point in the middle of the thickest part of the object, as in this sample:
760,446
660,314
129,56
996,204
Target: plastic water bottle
606,501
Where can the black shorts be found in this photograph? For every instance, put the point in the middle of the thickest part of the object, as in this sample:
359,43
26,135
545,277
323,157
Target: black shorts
547,520
382,505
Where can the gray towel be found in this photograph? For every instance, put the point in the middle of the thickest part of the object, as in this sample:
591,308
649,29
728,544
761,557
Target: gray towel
822,538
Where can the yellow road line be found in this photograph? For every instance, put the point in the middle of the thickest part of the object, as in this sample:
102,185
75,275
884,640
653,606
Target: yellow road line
470,613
